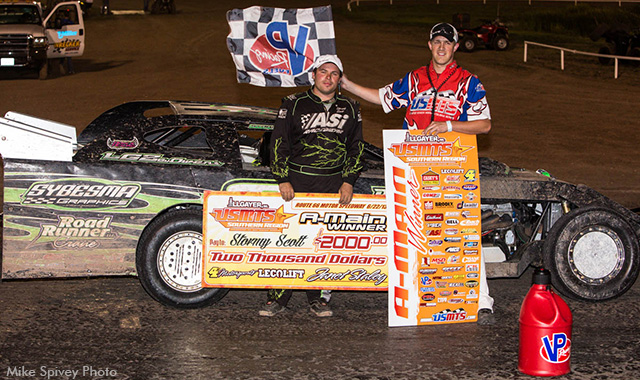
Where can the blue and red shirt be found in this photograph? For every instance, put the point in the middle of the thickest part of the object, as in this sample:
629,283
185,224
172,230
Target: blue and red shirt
454,94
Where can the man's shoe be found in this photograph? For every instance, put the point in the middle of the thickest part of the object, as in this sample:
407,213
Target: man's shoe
321,308
271,308
486,317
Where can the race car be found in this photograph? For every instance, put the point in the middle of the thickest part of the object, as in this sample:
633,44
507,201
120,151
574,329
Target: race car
125,198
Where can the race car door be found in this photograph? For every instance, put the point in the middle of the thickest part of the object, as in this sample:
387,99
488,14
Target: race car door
65,31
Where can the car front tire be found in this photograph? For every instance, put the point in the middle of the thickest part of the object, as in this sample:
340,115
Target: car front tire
169,260
592,254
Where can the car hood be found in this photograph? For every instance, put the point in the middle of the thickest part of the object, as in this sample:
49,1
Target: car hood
36,30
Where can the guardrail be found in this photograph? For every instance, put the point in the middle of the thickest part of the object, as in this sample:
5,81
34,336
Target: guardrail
616,58
530,1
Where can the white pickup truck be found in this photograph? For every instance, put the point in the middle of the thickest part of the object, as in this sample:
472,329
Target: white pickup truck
30,40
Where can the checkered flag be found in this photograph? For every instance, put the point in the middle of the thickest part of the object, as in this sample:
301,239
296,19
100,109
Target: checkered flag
275,47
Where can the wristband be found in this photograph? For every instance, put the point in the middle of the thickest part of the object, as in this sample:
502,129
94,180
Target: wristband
449,126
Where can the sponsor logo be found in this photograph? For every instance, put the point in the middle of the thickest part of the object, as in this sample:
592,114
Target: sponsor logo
555,348
430,178
455,284
451,214
451,269
434,225
434,261
471,237
442,299
453,259
428,304
445,293
428,297
471,284
450,188
471,244
428,271
157,158
282,49
470,302
76,233
452,249
453,196
456,300
472,294
469,187
425,280
469,231
241,215
472,275
451,231
428,289
450,316
433,252
428,205
470,259
452,222
81,193
470,175
468,214
443,204
431,188
281,273
471,268
433,217
434,243
451,179
471,197
431,195
123,144
470,252
467,222
434,232
453,239
441,284
451,171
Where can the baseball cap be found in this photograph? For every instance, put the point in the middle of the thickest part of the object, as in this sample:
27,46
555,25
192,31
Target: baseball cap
327,58
445,30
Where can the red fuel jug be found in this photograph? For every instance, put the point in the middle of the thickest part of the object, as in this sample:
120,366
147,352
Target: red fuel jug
545,330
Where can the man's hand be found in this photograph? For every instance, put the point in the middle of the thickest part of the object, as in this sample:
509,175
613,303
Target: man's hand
435,127
346,193
286,191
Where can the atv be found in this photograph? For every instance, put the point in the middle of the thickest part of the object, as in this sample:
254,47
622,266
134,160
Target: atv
493,34
621,40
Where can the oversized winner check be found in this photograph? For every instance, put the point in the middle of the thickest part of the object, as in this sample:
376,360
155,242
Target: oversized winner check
257,240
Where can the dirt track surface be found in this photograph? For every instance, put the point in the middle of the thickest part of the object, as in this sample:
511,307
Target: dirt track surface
580,125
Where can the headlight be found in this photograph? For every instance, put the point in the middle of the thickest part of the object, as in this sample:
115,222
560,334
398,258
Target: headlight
40,42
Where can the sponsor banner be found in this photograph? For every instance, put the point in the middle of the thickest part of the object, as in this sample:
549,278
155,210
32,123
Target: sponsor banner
433,192
275,47
257,240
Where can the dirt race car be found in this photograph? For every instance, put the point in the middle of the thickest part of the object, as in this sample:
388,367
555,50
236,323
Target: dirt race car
126,197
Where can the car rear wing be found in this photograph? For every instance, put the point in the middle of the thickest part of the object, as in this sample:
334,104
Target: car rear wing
31,138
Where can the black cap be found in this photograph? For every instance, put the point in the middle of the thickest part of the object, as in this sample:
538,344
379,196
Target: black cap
445,30
541,276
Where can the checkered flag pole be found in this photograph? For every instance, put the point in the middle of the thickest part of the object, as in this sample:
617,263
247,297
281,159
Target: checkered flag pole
275,47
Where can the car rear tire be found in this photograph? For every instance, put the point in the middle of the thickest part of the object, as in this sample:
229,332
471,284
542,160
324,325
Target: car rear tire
169,260
592,254
468,44
500,42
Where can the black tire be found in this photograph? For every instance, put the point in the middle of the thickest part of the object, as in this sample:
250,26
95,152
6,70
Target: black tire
592,254
43,71
605,50
175,237
500,42
468,44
